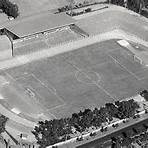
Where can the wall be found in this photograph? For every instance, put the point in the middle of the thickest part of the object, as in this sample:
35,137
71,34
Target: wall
5,47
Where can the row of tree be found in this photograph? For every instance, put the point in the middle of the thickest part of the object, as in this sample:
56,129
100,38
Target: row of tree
3,121
73,5
79,13
9,8
130,137
57,130
134,5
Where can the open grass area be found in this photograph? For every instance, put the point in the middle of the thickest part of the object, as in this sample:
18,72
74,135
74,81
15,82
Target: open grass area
84,78
110,20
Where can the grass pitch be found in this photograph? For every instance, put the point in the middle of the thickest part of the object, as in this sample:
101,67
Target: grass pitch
67,83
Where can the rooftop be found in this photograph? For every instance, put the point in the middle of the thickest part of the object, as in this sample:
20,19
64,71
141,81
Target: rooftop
39,23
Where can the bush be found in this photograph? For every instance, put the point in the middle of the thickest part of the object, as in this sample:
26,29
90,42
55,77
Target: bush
118,2
88,10
79,139
54,146
144,94
115,125
93,134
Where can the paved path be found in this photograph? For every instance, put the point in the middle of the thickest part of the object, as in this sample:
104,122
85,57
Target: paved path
16,118
16,132
112,132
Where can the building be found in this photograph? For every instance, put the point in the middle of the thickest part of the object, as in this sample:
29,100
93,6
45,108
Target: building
30,26
15,33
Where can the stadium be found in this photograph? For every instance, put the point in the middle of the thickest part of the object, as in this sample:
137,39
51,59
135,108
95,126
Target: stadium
54,68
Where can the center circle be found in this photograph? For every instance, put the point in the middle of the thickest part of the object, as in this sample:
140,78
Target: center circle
88,77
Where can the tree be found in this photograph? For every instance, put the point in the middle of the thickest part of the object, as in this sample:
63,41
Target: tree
112,109
126,108
71,5
13,10
58,130
136,5
9,8
118,2
144,94
3,121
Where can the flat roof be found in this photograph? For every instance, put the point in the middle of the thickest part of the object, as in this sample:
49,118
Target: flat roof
39,23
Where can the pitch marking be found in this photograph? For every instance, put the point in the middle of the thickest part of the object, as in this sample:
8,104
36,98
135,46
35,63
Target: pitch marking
116,61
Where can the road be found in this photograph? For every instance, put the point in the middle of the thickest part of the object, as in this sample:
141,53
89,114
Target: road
112,132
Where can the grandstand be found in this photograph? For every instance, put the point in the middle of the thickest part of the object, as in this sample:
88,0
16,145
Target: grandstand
37,24
60,36
40,31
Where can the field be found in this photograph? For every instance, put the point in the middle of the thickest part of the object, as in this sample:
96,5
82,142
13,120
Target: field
86,77
110,20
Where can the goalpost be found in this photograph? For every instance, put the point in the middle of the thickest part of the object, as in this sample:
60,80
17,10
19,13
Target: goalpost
138,59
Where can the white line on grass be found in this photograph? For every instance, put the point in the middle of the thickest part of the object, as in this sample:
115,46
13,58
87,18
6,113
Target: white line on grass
11,77
42,83
38,101
145,70
52,90
58,106
51,115
32,89
77,73
103,89
100,87
116,61
23,76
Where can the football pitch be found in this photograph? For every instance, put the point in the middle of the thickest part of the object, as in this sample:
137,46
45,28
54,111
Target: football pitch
87,77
